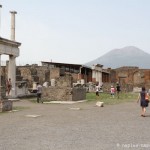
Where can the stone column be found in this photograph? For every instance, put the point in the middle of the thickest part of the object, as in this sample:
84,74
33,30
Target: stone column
12,59
80,74
93,76
98,75
0,19
12,37
100,78
12,74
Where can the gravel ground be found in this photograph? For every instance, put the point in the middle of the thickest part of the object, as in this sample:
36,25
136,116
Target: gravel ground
65,127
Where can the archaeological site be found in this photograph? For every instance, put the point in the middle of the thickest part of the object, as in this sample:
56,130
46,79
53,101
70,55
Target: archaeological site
61,81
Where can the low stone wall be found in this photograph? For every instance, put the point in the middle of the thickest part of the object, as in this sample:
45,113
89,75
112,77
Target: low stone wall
6,105
63,94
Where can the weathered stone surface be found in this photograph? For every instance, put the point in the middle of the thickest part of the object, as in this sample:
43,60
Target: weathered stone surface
78,93
63,94
6,105
54,73
130,77
64,81
100,104
136,89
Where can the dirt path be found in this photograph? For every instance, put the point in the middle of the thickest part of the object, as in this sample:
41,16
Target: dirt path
64,127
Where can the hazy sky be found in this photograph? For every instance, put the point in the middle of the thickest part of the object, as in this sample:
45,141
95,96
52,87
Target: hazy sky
76,31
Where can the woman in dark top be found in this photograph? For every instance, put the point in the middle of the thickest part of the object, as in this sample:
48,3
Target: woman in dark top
143,101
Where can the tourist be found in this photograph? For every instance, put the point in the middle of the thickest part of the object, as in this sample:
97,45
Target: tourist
8,85
97,90
112,91
118,89
143,101
39,93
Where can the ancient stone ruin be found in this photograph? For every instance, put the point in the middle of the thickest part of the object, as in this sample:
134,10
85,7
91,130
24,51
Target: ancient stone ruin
10,48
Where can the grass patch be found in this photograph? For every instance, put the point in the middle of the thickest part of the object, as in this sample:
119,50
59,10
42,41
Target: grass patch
34,100
104,97
107,98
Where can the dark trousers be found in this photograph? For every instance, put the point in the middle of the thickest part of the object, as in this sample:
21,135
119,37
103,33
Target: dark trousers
39,97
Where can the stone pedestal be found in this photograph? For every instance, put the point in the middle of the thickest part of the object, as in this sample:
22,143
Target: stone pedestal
6,105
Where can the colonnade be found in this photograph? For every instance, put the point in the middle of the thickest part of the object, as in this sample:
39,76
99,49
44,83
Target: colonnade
97,73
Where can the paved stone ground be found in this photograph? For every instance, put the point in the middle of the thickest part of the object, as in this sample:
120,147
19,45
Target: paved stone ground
112,127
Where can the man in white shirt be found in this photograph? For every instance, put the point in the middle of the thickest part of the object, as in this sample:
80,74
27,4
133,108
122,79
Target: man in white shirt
97,91
39,93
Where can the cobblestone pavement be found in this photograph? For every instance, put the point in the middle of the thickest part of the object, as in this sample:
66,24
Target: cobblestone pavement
65,127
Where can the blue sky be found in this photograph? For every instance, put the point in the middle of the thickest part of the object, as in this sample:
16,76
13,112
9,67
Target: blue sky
76,31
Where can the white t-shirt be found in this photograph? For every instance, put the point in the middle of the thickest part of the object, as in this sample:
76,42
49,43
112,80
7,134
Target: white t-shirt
39,89
97,88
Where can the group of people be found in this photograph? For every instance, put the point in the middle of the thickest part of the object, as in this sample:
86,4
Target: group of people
143,97
114,90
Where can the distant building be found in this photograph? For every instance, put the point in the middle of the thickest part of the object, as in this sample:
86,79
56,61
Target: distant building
79,72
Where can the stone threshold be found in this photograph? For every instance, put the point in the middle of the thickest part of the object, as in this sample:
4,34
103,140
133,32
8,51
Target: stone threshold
64,102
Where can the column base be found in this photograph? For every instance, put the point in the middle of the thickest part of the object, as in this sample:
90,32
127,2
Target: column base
6,105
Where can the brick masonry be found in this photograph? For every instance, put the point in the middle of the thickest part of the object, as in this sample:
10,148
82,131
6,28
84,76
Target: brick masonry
63,94
128,77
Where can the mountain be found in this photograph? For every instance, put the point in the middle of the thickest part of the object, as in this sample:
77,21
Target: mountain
127,56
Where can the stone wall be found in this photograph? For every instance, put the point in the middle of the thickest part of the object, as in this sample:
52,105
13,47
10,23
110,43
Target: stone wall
34,74
64,81
130,77
63,94
54,73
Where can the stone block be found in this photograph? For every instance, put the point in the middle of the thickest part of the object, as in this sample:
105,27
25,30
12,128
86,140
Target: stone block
100,104
64,94
6,105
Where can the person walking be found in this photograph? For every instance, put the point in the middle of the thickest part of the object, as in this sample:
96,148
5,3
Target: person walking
39,93
118,89
112,91
97,91
143,102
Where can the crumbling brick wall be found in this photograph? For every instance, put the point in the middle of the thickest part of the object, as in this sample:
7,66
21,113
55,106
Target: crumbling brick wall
63,94
54,73
64,81
130,77
33,74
